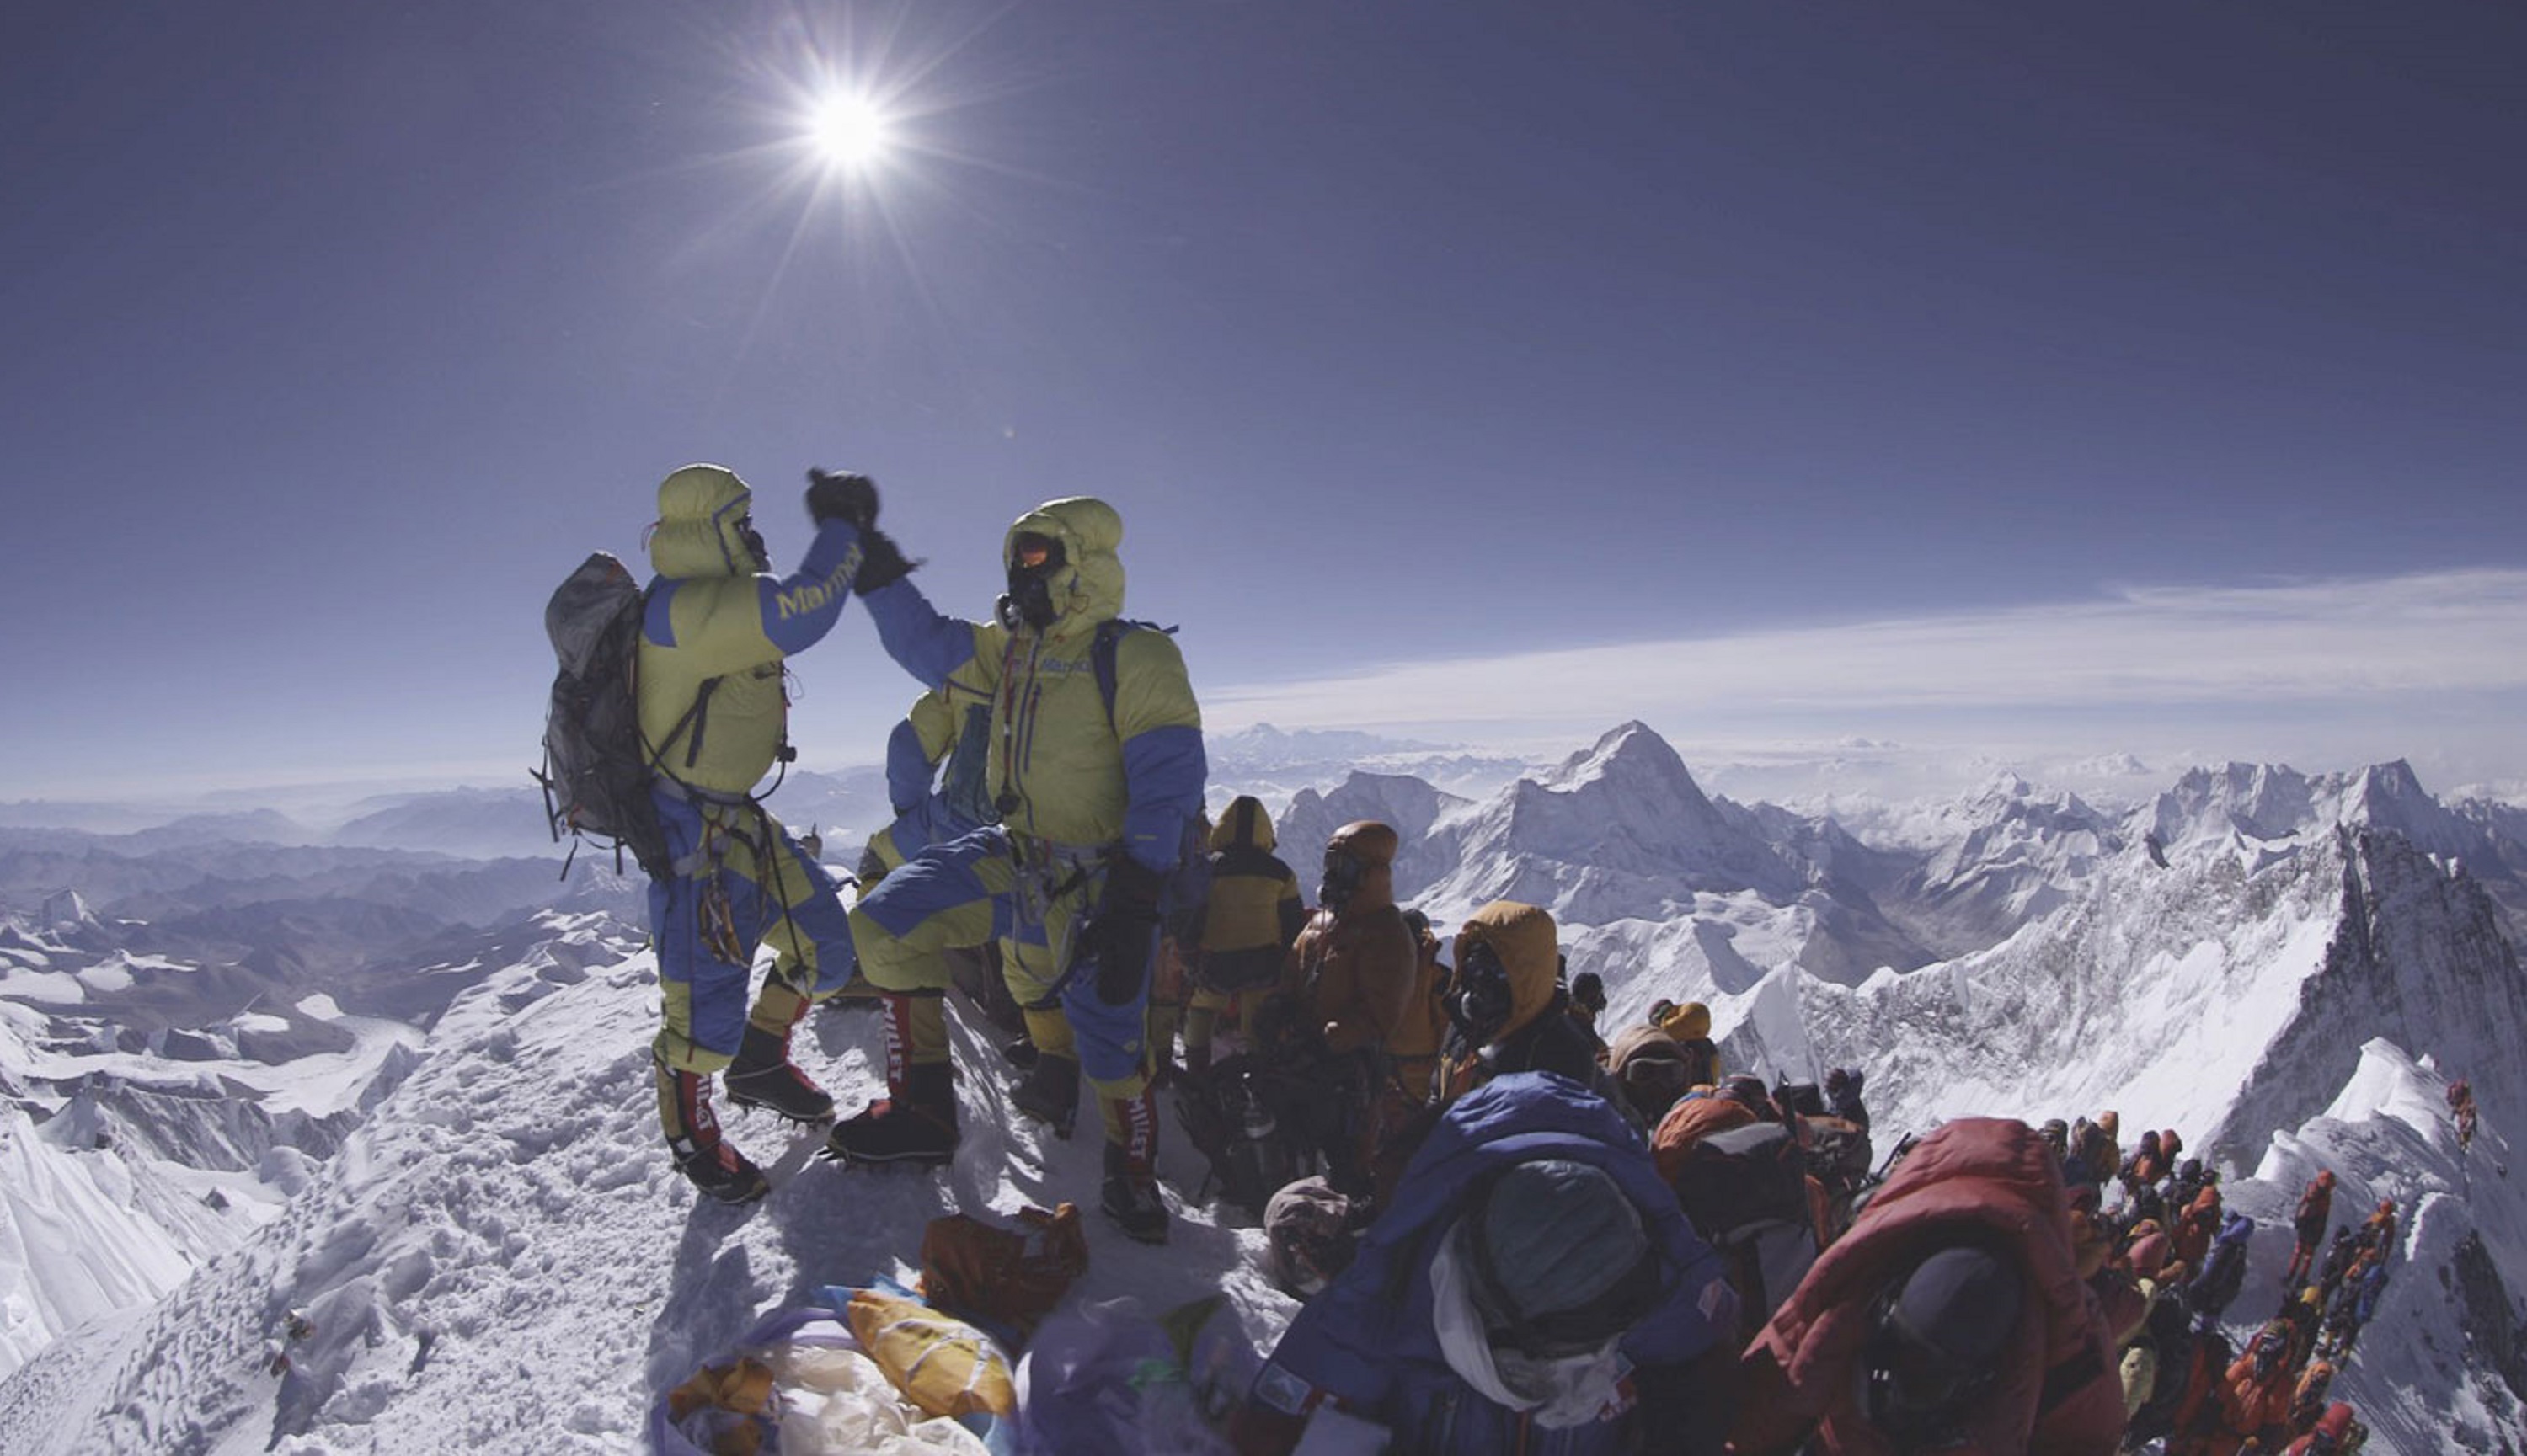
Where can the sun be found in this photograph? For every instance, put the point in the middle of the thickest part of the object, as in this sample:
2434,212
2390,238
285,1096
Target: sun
849,131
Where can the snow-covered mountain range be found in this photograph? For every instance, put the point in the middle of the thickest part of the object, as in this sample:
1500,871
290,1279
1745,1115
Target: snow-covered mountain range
422,1112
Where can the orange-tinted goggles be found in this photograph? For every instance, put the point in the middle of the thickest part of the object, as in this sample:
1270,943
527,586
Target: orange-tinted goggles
1031,552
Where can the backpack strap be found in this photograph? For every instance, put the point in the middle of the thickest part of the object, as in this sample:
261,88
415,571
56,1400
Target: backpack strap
1103,650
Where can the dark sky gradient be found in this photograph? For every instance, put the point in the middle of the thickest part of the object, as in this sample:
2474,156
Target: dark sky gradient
339,332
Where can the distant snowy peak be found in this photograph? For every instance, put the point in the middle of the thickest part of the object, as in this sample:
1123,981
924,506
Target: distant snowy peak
1405,804
1632,759
1619,831
66,911
1266,746
2266,806
2006,855
2007,803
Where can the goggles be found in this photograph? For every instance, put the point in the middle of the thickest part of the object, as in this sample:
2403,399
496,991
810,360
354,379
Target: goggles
1483,1001
1033,551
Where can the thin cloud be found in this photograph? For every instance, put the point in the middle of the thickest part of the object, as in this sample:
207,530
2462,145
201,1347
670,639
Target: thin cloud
2367,641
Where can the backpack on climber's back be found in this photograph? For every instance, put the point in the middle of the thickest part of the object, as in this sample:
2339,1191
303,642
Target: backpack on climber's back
1747,1192
595,774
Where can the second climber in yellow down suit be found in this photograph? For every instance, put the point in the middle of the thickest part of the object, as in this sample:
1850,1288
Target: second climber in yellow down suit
1096,768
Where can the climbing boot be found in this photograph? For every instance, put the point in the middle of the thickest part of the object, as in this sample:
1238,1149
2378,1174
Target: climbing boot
1130,1197
915,1125
701,1154
1049,1092
763,1076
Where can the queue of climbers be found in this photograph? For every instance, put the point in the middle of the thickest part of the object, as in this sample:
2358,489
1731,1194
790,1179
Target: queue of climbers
1513,1225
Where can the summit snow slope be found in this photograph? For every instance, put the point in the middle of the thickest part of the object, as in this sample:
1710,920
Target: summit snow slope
501,1255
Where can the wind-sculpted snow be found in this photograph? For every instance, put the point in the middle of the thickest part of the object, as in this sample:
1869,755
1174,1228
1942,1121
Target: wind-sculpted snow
2439,1369
51,1202
130,1165
502,1259
2418,957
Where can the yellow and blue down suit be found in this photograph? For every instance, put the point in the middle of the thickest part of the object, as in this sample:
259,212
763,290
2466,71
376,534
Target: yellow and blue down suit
715,716
1071,787
948,725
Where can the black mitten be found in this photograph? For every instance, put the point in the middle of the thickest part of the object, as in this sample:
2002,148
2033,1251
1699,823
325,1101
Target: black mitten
1123,931
882,562
842,495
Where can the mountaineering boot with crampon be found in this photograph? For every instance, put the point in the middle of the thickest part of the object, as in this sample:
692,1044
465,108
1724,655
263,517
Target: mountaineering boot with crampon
1130,1197
915,1126
693,1139
1050,1091
763,1076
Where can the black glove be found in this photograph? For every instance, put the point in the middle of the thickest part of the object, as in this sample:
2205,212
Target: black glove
842,495
882,562
1124,929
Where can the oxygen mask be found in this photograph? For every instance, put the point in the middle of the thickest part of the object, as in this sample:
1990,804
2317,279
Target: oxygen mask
1343,874
1035,559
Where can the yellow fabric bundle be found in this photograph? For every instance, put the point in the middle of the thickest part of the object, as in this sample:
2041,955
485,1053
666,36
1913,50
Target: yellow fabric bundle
944,1366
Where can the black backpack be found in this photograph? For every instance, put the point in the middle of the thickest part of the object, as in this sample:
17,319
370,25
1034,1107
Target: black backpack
596,770
2169,1334
1233,1117
1839,1155
1745,1192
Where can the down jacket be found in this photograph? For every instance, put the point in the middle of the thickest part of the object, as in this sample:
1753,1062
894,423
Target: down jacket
1976,1178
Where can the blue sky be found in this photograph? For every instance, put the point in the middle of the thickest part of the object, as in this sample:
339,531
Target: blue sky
1992,378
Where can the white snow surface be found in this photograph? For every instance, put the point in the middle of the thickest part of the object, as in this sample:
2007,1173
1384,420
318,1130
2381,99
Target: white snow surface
2417,1375
52,1200
501,1254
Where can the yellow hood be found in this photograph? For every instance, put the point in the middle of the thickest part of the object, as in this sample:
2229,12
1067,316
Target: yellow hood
696,534
1529,950
1089,589
1244,823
